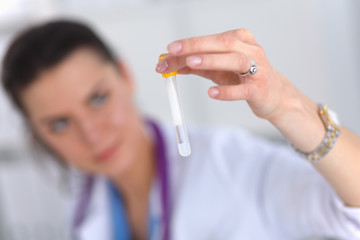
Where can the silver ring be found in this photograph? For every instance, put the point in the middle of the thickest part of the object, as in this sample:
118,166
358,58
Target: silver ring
252,70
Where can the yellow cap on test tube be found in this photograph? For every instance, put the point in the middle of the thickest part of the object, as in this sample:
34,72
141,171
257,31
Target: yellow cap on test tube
170,74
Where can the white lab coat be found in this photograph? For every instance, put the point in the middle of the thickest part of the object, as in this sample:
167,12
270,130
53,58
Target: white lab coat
237,186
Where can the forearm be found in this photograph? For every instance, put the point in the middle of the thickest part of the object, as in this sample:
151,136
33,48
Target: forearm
270,96
300,123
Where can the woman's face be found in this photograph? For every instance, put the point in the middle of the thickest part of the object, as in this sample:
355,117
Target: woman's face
82,109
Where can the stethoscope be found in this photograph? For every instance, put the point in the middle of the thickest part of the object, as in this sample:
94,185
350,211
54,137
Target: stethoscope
122,231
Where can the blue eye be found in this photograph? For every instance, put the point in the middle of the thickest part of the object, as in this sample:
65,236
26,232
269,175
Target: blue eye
59,125
98,100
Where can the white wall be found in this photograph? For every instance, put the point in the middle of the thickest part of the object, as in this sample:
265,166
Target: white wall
31,205
298,36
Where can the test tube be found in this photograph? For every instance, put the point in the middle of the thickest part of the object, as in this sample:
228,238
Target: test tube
177,112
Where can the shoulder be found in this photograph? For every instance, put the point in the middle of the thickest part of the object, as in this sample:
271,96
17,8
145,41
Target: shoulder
230,143
204,136
223,142
222,150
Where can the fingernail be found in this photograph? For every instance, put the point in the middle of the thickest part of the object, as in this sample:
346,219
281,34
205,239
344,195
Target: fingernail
161,66
194,60
214,92
175,47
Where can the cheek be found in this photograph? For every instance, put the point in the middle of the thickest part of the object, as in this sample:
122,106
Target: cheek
69,149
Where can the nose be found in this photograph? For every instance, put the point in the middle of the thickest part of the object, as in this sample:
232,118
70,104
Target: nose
90,129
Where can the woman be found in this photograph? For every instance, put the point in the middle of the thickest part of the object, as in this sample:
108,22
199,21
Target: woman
77,98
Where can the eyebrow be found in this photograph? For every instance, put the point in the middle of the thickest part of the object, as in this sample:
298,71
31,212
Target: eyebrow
93,89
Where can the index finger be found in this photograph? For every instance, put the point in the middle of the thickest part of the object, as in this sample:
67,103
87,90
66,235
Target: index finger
223,42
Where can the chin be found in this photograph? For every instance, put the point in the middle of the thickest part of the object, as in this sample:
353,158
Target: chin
119,166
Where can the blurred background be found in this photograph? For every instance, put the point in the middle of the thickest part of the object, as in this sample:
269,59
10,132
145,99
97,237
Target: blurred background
314,43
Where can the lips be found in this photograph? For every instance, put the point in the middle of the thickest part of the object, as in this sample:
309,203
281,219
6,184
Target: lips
107,153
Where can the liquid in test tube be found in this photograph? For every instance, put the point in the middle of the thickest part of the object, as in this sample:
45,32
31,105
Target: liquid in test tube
177,112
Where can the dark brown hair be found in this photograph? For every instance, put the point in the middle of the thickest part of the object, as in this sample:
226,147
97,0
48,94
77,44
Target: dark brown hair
42,47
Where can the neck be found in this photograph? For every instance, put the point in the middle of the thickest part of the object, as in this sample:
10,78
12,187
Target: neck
135,183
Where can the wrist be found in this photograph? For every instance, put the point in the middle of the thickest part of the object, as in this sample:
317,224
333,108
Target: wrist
298,120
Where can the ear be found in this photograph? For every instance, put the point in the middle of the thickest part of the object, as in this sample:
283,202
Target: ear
127,76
